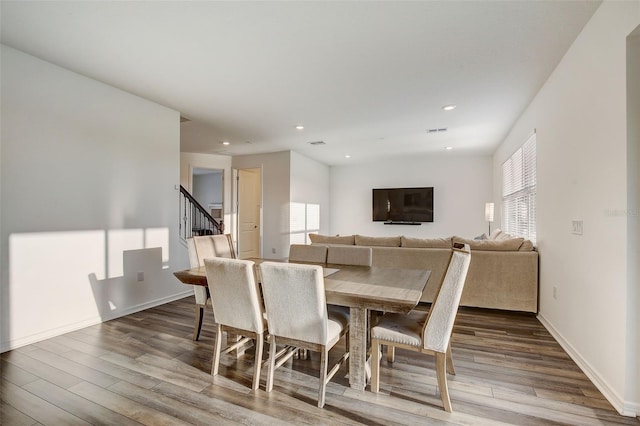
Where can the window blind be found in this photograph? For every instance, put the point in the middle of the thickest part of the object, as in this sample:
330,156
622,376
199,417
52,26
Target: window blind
519,191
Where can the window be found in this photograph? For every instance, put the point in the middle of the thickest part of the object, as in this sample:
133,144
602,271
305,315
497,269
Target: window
519,192
304,219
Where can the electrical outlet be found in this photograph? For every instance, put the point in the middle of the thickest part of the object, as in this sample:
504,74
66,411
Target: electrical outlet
140,276
555,292
273,250
576,227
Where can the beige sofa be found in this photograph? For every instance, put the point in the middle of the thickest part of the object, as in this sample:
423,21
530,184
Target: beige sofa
503,273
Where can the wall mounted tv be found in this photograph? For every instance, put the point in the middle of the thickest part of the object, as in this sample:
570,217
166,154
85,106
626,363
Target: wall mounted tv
403,206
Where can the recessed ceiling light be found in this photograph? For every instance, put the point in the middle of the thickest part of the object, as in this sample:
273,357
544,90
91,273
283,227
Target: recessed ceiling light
300,127
449,148
448,107
226,143
347,156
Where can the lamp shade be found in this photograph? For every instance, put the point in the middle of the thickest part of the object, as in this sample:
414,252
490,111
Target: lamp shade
488,212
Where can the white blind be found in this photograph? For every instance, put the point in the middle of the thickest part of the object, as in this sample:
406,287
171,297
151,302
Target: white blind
519,192
303,219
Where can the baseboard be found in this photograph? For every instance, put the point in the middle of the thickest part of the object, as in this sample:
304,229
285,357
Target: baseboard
48,334
623,407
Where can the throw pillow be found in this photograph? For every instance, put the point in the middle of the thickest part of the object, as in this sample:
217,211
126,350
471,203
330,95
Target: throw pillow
494,234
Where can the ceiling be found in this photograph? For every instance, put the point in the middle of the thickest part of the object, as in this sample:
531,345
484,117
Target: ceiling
369,79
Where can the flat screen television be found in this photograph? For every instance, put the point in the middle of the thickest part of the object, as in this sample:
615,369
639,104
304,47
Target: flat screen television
403,205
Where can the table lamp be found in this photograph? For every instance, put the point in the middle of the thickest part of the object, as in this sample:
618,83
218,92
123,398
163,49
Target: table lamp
488,214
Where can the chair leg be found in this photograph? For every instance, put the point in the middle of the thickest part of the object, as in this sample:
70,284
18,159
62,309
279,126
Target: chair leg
441,361
450,368
197,324
347,343
217,347
258,361
324,358
375,365
272,362
391,353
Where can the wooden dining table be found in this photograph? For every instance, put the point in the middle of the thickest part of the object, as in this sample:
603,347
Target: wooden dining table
362,289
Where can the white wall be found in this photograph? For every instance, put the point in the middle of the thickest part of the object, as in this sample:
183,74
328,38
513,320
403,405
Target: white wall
580,117
309,184
462,186
207,188
88,201
275,199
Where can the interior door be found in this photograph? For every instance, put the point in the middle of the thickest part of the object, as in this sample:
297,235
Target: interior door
249,205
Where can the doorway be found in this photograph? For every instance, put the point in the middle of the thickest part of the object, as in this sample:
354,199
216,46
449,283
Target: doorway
249,198
207,187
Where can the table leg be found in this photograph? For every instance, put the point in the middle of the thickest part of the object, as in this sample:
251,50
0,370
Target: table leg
358,348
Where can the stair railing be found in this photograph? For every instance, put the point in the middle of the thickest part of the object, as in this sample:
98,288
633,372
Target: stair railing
194,219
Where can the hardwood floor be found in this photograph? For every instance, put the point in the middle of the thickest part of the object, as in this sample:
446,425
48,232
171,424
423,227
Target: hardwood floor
145,369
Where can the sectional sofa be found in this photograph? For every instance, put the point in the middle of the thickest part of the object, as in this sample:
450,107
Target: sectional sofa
503,273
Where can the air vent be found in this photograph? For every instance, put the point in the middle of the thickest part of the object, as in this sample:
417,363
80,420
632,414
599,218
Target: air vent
440,130
317,143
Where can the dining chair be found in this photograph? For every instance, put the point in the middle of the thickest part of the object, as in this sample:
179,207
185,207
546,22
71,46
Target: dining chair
237,308
200,248
349,255
296,307
307,253
430,333
220,245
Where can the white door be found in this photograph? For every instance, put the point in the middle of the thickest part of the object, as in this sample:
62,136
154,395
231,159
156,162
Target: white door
249,203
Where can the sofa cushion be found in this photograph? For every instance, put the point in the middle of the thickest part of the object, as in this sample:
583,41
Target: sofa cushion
426,242
332,239
527,245
362,240
512,244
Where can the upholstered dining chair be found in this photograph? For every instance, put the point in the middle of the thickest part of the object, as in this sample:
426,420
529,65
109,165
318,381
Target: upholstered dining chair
200,248
237,308
426,333
297,312
220,245
307,253
349,255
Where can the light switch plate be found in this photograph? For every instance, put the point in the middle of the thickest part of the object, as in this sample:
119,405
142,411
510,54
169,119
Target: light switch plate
576,227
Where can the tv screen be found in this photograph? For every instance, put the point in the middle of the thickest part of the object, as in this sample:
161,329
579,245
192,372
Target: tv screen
405,205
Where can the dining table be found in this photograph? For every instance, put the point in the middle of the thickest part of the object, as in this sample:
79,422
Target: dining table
362,289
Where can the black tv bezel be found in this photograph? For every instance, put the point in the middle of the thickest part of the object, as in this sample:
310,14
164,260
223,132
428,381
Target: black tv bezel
403,220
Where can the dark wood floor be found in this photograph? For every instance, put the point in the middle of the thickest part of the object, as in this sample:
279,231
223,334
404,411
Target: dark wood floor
145,369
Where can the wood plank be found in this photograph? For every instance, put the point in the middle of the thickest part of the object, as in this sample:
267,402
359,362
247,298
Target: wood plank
38,368
153,399
125,406
13,417
76,405
85,373
156,372
113,370
35,407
